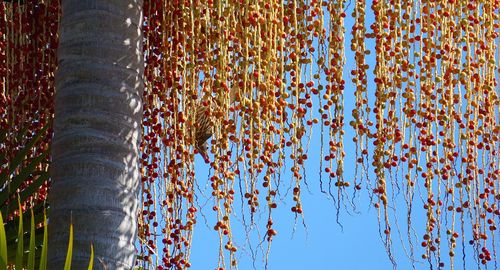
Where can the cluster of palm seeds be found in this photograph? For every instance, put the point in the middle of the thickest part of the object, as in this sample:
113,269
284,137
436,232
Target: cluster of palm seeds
28,38
437,125
252,71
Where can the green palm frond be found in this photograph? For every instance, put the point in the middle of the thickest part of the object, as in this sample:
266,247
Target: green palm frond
22,174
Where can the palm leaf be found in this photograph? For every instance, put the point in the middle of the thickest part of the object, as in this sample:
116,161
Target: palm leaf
43,256
16,171
35,186
91,262
21,155
20,239
12,226
21,177
32,251
3,245
69,254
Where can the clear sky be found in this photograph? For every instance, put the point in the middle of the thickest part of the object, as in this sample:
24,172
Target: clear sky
322,244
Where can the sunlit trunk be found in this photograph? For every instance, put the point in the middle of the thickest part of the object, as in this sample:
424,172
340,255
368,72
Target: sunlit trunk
97,130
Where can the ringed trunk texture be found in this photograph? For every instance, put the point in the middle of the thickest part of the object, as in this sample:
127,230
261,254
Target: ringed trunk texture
97,132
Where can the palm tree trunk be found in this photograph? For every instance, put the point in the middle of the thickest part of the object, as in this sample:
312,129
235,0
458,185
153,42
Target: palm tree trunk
97,132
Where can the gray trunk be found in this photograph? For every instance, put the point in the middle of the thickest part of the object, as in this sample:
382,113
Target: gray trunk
97,132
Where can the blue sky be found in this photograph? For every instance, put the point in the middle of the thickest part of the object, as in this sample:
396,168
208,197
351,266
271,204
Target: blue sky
322,245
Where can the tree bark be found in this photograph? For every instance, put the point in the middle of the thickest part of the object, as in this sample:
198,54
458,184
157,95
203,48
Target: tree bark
97,132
